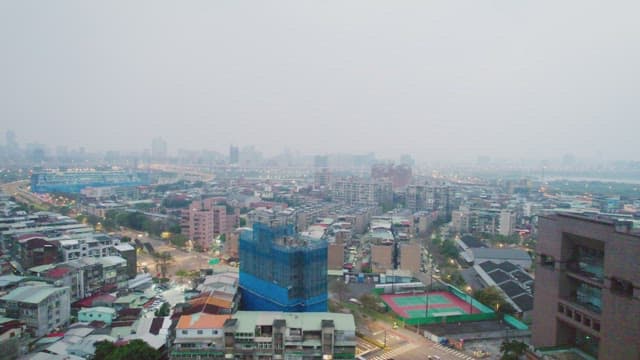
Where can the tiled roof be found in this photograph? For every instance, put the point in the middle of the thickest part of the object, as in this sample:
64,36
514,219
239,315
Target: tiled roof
202,321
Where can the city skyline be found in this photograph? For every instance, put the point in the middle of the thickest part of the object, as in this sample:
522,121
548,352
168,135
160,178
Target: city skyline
445,81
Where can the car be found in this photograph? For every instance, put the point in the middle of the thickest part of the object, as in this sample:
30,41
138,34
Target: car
433,357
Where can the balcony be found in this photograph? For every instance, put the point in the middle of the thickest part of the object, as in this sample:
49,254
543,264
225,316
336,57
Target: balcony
590,274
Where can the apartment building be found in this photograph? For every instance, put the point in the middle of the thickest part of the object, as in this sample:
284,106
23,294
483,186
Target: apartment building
205,219
587,287
410,257
362,192
265,335
42,308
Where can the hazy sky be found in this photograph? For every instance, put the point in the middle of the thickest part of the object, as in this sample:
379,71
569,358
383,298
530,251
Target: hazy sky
436,79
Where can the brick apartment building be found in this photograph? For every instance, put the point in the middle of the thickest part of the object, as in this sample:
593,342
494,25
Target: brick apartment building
587,287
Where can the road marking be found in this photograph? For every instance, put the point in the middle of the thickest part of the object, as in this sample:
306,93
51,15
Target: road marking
395,352
454,352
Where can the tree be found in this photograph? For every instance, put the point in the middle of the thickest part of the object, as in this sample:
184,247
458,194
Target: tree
449,249
178,240
493,298
135,349
339,288
512,350
164,310
369,302
163,261
103,349
243,222
125,239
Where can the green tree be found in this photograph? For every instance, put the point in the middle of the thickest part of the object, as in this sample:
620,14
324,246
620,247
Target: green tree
493,298
164,310
243,222
103,349
449,249
369,302
178,240
512,350
135,349
125,239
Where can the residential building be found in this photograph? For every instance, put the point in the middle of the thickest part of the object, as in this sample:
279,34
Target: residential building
507,222
114,271
381,258
587,287
429,197
128,253
98,313
335,256
35,250
158,149
86,245
206,219
42,308
281,270
410,257
278,335
200,336
361,192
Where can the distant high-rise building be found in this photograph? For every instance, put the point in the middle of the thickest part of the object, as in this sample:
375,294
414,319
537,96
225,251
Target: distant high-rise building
158,149
234,155
429,197
399,175
282,271
363,192
507,222
321,161
587,286
205,219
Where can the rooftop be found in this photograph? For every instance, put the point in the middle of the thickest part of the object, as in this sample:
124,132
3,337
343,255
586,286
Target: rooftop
247,320
201,321
32,294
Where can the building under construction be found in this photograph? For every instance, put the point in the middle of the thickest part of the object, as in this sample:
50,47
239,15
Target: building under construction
282,271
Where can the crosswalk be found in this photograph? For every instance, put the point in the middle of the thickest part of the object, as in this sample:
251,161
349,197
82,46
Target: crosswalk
395,352
365,347
454,352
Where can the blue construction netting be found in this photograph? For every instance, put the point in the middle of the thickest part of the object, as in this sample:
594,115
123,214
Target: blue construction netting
280,271
74,182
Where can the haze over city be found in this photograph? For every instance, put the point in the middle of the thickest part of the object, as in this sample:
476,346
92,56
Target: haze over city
437,80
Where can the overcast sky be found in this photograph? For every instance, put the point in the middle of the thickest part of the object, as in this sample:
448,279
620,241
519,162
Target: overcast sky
435,79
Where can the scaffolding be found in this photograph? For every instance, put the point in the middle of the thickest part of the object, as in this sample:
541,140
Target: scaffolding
282,271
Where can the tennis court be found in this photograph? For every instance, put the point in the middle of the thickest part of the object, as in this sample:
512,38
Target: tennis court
439,304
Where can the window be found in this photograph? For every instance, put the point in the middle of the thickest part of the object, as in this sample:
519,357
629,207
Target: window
596,325
199,332
577,317
547,261
621,287
185,332
561,308
214,332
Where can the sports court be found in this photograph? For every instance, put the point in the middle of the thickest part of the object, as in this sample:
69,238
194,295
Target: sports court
441,304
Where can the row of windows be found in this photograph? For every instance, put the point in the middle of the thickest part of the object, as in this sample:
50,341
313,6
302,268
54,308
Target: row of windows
201,332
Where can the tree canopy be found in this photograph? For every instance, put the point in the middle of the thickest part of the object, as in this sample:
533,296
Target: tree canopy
135,349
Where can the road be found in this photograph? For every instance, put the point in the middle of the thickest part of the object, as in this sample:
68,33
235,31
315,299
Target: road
403,344
18,189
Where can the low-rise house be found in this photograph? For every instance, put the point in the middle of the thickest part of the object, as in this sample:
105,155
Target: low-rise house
98,313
